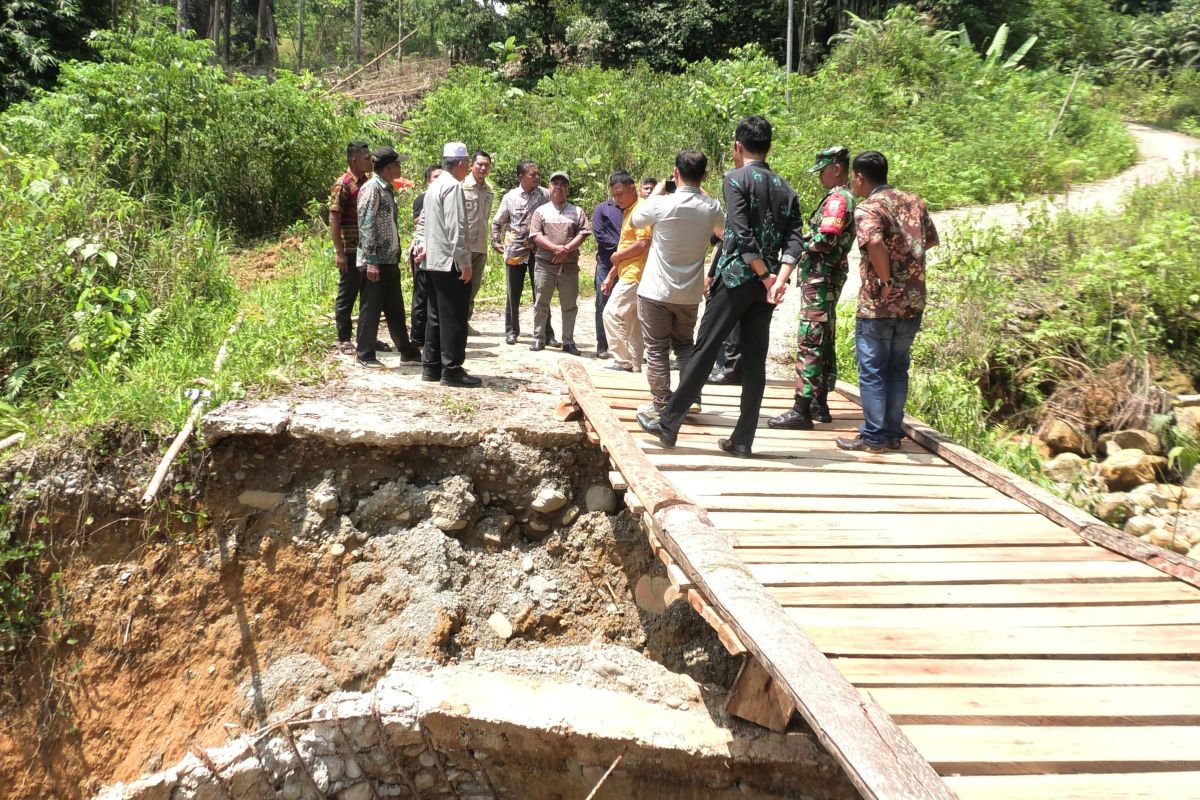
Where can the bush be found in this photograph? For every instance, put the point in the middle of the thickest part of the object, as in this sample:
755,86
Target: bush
958,129
90,277
157,118
1012,319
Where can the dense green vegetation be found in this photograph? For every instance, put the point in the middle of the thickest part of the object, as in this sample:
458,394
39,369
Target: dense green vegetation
1081,313
156,118
958,127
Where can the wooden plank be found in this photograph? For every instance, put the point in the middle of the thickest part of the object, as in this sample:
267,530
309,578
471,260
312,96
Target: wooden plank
879,672
1035,497
802,441
937,618
1158,640
1108,786
783,551
667,460
967,572
990,749
879,761
1104,705
755,697
998,504
701,486
876,757
785,449
819,481
988,594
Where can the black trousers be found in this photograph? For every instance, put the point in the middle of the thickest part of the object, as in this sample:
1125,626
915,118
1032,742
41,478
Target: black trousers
515,284
349,287
729,360
446,324
385,295
727,308
420,297
601,302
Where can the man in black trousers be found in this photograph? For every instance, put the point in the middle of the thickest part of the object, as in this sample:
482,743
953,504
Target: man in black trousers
416,257
448,269
762,218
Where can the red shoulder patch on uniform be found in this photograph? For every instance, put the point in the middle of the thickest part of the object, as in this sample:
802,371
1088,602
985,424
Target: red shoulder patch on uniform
833,215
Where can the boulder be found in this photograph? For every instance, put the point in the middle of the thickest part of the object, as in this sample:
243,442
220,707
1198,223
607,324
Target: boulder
1141,526
1064,467
1133,439
1126,469
1114,508
452,506
1187,420
1063,437
1157,495
601,498
1168,540
1031,441
549,498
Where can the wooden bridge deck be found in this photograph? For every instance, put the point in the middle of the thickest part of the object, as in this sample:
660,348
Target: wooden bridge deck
1019,659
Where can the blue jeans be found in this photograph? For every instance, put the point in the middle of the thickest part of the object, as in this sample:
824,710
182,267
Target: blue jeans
602,271
882,347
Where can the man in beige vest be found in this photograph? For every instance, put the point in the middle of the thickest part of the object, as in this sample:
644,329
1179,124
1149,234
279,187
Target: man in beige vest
479,197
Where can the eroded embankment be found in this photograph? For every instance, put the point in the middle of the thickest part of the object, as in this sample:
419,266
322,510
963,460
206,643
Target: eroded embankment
313,550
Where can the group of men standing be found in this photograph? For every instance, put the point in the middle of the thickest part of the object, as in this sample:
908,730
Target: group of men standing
651,248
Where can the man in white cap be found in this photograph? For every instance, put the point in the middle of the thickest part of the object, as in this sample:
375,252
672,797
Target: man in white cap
557,229
448,267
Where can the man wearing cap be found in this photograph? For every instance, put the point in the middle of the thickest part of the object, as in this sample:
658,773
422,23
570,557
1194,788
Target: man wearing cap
379,260
823,269
448,267
479,197
557,229
621,325
510,238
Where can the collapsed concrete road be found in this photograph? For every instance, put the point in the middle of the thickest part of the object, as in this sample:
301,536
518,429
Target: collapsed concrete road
478,734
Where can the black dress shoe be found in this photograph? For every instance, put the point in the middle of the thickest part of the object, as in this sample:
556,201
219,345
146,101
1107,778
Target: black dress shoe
431,375
462,380
739,450
614,367
410,355
382,347
510,338
536,346
892,444
370,363
570,349
552,342
725,379
652,426
796,418
603,353
858,444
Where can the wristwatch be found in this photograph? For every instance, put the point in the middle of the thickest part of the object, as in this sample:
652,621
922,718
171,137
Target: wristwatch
764,277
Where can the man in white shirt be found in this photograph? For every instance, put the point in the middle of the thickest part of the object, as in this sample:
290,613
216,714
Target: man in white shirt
672,284
448,267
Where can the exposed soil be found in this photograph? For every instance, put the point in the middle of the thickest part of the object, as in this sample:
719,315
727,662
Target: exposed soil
288,569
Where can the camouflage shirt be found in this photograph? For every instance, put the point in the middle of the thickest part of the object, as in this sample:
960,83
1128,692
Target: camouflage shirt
901,221
762,218
832,226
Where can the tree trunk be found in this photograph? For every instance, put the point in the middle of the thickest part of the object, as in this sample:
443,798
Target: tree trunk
300,39
399,31
266,46
181,15
214,24
228,28
358,31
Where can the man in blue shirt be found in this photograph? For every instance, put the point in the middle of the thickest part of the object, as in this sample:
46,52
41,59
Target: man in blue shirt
606,227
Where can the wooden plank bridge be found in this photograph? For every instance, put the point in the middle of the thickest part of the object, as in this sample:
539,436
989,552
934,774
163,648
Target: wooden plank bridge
944,627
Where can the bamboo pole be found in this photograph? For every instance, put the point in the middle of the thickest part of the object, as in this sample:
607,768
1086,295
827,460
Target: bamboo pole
1066,102
370,63
181,438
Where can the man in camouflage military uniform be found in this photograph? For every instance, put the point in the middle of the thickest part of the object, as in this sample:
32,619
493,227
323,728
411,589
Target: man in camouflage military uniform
823,270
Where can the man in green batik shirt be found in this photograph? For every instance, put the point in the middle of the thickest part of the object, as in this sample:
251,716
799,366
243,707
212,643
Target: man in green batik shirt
823,270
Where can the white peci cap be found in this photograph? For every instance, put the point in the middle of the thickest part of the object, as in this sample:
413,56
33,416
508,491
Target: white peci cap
454,150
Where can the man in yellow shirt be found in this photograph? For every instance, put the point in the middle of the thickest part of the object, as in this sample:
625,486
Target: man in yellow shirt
621,324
